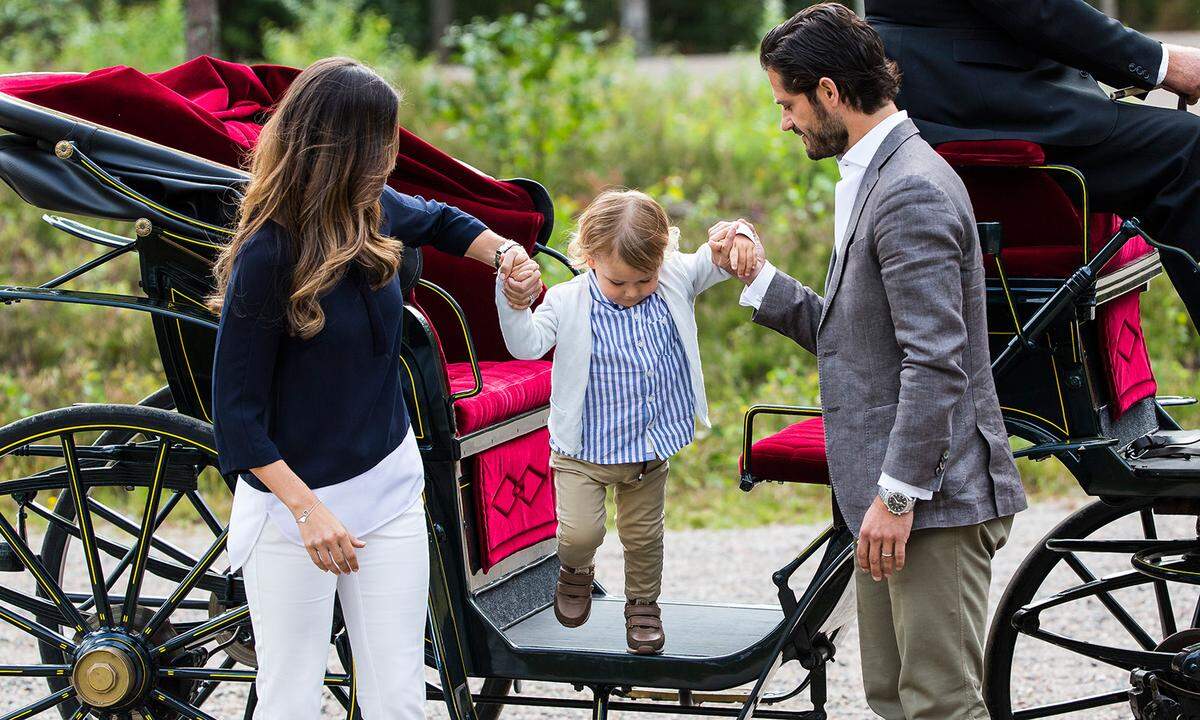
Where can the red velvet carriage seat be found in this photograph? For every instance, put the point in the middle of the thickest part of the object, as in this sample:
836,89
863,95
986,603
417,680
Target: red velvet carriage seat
214,109
1042,225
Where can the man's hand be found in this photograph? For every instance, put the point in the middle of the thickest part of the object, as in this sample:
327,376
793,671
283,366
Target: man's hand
521,276
881,541
1183,72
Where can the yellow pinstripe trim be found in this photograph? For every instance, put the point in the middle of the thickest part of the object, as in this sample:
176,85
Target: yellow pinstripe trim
103,176
195,572
192,241
183,350
448,692
61,696
42,582
412,383
95,426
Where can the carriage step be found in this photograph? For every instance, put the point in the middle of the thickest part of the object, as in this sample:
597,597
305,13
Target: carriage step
9,562
687,697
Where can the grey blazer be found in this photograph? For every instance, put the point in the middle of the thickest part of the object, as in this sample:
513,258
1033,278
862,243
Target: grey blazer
902,346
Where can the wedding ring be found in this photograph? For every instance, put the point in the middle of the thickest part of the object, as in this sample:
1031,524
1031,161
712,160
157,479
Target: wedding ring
886,555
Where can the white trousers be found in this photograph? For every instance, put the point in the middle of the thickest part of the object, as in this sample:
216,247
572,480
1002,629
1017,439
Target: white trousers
384,606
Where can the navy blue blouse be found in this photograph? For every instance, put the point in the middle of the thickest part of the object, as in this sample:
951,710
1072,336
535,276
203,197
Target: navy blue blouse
331,406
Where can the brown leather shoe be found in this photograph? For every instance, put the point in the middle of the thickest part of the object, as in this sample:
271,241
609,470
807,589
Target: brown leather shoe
643,627
573,596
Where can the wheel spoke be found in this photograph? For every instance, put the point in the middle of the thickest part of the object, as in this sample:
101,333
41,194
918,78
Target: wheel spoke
135,530
142,548
173,703
42,705
186,586
207,687
46,611
206,514
1115,608
34,564
35,670
36,629
83,517
1162,594
1075,705
210,674
202,632
129,554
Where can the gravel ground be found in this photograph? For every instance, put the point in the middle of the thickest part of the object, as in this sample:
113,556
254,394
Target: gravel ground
735,567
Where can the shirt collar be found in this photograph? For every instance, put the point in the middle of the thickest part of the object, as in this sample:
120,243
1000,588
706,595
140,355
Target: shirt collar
863,152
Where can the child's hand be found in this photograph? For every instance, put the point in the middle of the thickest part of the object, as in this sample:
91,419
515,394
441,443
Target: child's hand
737,249
523,284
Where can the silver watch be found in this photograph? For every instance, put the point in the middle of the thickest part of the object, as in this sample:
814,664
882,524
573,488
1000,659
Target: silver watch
896,502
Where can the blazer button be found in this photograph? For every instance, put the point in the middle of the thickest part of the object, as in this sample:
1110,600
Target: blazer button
1083,73
1132,67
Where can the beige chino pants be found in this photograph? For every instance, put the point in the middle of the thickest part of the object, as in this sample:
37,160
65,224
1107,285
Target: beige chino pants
640,493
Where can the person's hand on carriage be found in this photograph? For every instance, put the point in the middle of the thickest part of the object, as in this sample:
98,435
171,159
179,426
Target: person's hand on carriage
736,248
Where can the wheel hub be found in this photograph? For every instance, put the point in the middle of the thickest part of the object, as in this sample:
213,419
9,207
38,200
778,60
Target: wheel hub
106,674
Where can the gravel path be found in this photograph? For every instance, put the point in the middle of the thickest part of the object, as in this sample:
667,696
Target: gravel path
735,567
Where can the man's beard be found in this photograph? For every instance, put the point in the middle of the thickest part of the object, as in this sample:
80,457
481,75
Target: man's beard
827,137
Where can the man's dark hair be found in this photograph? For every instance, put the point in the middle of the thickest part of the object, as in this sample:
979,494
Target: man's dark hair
829,40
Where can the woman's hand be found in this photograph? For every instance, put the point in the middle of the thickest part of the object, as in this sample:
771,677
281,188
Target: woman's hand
521,276
329,544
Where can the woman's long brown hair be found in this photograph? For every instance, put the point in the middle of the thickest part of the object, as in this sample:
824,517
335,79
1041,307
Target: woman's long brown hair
318,170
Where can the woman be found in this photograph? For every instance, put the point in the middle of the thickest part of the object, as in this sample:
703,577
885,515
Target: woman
308,407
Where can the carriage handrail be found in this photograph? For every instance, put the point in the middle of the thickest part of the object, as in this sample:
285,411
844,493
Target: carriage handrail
1080,282
747,480
86,232
476,372
546,249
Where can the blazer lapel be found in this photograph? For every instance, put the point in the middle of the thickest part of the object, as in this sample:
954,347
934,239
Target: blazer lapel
890,144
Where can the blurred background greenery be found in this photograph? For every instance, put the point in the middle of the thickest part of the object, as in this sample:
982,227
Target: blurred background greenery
552,91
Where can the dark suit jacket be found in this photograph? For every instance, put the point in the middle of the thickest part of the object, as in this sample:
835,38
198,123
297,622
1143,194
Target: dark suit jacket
1011,69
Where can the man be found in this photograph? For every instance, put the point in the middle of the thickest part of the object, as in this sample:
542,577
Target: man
918,455
1027,69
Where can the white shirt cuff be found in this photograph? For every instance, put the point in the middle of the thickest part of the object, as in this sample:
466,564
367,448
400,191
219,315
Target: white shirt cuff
887,482
1162,66
753,295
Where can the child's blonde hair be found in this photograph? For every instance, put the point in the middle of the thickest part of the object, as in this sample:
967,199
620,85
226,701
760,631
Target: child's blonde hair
627,224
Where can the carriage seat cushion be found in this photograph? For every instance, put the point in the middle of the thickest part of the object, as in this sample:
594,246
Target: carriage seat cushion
509,389
794,454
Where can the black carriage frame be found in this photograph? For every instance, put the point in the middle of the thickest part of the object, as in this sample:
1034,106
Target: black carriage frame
1047,369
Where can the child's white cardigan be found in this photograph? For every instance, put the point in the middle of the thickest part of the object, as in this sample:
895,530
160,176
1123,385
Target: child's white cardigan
564,319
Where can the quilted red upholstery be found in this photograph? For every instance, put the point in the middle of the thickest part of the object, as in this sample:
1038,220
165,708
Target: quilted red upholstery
514,497
794,454
509,389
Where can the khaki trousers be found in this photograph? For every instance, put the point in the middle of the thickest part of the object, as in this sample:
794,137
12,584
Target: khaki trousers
921,632
640,492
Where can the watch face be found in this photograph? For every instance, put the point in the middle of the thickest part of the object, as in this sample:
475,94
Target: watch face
896,502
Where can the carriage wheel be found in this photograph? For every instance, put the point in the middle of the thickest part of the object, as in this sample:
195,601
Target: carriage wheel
1070,655
127,611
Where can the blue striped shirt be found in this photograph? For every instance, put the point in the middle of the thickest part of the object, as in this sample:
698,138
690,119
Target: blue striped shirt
639,404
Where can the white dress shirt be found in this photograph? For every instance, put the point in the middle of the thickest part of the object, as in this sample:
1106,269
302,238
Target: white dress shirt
1162,66
852,165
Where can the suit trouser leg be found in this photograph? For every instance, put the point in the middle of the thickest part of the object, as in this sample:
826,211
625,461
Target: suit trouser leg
926,660
1149,168
640,518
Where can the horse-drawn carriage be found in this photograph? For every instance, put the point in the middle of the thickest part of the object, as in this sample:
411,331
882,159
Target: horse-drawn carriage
158,630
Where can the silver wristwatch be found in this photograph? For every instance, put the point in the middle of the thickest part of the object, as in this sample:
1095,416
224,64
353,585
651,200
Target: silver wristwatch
896,502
